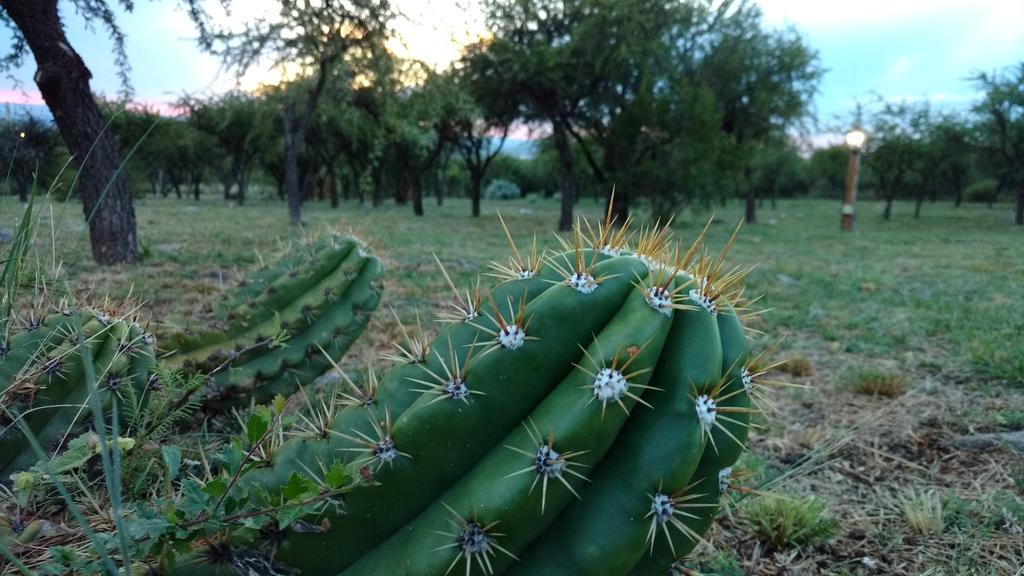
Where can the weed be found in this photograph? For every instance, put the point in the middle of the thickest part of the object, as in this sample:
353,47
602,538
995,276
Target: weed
923,511
785,521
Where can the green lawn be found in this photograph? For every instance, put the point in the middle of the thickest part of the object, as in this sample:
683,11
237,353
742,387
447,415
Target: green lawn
934,303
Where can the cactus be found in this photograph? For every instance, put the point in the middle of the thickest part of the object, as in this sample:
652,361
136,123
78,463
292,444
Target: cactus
51,366
280,329
575,420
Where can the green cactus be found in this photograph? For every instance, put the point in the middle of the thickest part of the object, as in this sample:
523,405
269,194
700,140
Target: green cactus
44,371
576,421
282,327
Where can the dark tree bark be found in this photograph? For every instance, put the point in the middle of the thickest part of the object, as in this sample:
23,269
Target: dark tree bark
617,205
332,184
888,205
294,126
416,191
63,81
476,191
378,185
568,169
750,215
243,185
23,185
292,188
917,207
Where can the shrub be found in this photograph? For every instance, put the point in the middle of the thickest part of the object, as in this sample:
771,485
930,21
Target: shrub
982,191
500,189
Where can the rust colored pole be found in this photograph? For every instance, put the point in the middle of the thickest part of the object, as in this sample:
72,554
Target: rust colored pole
851,189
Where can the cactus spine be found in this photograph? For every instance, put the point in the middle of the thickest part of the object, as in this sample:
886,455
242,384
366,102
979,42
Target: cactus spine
43,368
282,327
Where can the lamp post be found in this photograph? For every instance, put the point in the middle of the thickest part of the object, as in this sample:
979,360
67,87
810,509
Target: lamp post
855,140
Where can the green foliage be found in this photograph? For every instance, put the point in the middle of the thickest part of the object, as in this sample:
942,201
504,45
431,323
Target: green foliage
500,189
785,522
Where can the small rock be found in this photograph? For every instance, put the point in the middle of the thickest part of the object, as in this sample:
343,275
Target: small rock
6,235
168,248
980,442
787,280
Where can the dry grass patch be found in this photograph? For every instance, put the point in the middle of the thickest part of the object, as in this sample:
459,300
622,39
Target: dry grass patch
880,383
798,366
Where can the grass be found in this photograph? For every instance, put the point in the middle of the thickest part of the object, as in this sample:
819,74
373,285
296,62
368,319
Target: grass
928,308
875,382
923,511
790,521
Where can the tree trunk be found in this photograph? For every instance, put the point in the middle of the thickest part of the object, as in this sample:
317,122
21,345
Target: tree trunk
888,205
476,191
292,188
227,182
617,205
23,185
332,183
567,164
195,189
63,81
917,208
378,185
441,184
1020,207
243,185
751,211
416,191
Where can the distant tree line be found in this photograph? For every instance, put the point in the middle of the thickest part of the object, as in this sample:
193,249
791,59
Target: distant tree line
670,103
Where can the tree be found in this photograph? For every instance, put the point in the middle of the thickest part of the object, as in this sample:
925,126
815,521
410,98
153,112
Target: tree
896,149
535,58
1002,126
63,81
316,37
476,127
237,122
764,81
26,145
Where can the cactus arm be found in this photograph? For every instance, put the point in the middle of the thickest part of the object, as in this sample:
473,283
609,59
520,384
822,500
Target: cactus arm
499,489
445,436
706,485
260,320
658,450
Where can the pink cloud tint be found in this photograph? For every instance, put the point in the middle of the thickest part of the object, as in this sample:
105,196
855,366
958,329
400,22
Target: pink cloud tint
34,98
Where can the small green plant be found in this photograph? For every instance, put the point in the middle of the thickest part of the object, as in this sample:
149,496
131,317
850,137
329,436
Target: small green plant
499,189
785,522
923,511
873,382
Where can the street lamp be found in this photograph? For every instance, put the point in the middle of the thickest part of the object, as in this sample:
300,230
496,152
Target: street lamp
855,140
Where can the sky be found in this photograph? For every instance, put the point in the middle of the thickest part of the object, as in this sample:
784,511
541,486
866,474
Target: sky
891,49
